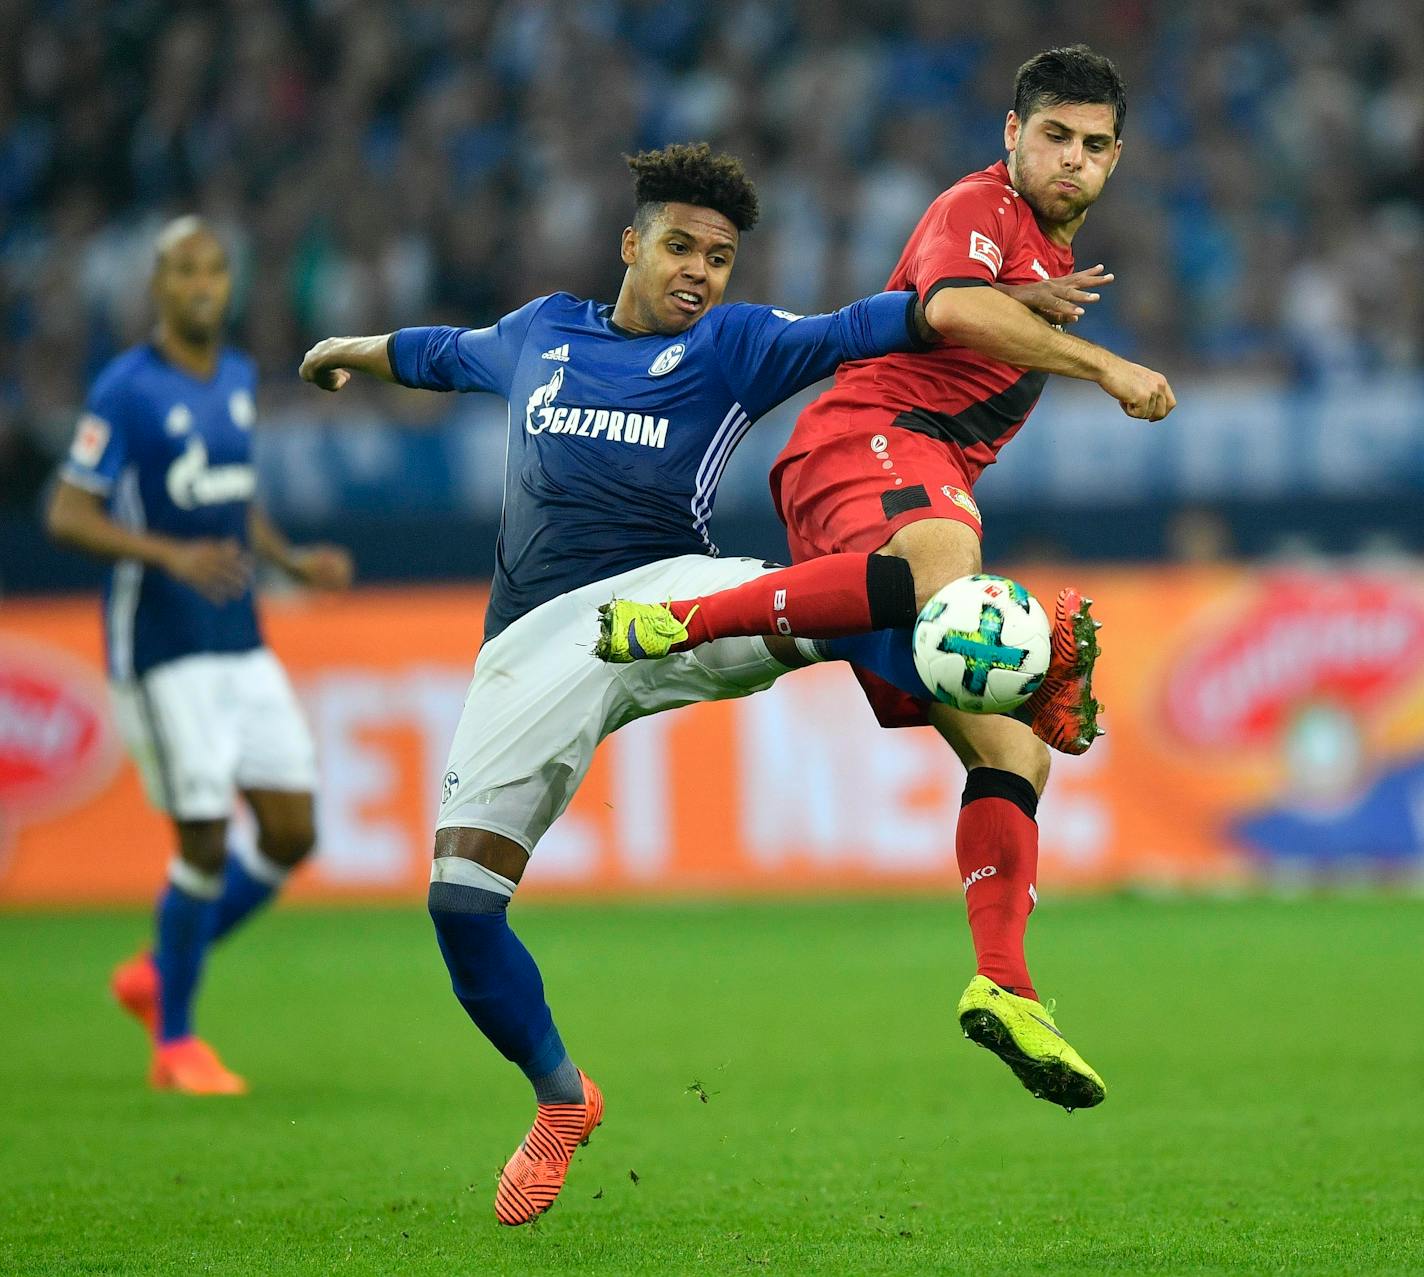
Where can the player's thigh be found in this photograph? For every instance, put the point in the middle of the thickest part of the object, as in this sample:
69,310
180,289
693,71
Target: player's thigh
183,737
993,740
531,721
275,749
540,703
939,551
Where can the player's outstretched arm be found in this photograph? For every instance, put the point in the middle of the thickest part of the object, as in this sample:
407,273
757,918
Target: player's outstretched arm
215,568
988,321
329,364
322,567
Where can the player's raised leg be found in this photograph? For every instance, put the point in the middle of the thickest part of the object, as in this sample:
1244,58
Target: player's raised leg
822,598
498,983
996,846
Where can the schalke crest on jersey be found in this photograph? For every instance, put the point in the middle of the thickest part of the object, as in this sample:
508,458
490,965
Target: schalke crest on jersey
667,360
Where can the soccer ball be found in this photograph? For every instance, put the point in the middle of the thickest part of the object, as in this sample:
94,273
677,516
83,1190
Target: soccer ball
982,645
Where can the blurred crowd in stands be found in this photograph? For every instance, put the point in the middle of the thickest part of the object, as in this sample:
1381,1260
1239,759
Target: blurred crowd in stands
378,164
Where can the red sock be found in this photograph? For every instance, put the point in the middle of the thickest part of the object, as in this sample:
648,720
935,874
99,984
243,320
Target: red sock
829,597
997,849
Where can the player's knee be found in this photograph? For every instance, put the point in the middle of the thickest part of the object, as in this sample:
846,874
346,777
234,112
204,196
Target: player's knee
939,551
1038,763
290,843
1021,753
202,845
485,848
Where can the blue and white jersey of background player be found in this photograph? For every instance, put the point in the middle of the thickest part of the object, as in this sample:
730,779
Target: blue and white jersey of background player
171,453
617,441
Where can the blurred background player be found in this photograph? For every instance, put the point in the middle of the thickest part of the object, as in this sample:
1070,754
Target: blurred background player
885,462
160,481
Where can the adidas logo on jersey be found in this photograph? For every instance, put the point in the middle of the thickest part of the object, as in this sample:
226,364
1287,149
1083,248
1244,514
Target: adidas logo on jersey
561,353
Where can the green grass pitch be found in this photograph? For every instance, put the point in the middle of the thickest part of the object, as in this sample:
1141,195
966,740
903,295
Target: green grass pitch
1265,1065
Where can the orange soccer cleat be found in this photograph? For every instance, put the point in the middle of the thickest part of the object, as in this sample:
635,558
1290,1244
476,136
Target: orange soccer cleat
1063,712
135,985
191,1067
532,1178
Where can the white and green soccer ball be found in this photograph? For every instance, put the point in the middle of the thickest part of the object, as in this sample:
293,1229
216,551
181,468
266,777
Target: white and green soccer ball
982,644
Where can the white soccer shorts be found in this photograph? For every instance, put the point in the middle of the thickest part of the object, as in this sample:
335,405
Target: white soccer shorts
203,726
540,701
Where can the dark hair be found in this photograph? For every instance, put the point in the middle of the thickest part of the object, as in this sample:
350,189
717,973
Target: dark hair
688,173
1059,77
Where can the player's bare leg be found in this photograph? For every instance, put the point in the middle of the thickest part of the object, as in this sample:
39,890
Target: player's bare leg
938,551
498,984
997,849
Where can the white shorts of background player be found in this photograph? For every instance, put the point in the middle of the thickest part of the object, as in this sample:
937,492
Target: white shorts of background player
204,726
540,701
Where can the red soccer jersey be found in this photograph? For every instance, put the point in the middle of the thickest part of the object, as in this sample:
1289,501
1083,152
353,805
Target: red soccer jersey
978,232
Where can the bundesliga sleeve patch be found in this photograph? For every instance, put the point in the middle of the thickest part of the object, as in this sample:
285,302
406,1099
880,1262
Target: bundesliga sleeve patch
90,440
983,249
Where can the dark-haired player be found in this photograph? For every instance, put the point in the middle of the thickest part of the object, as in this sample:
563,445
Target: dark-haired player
622,419
160,481
884,464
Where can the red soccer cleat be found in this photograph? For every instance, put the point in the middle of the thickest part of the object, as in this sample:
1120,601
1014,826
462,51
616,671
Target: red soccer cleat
135,985
532,1178
1063,712
191,1067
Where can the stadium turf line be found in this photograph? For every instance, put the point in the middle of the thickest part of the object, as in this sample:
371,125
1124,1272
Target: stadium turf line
1265,1064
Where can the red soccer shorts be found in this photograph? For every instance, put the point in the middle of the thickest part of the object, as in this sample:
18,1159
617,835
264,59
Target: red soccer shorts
852,490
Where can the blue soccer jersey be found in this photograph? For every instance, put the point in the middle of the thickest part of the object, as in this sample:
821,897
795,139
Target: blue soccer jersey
172,454
617,441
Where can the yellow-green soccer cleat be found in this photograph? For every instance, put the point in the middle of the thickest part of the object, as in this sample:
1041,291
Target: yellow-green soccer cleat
1021,1032
629,632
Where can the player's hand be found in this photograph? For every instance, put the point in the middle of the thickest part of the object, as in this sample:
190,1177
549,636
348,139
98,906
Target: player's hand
323,567
219,570
1143,394
1061,300
322,367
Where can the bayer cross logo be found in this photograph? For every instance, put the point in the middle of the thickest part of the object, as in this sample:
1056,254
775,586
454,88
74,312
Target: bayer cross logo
982,651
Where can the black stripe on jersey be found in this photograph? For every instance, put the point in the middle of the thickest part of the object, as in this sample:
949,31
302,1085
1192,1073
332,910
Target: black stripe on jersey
963,282
982,422
160,748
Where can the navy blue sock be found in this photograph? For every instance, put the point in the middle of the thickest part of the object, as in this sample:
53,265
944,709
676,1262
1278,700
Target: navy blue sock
887,653
243,894
498,984
184,931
